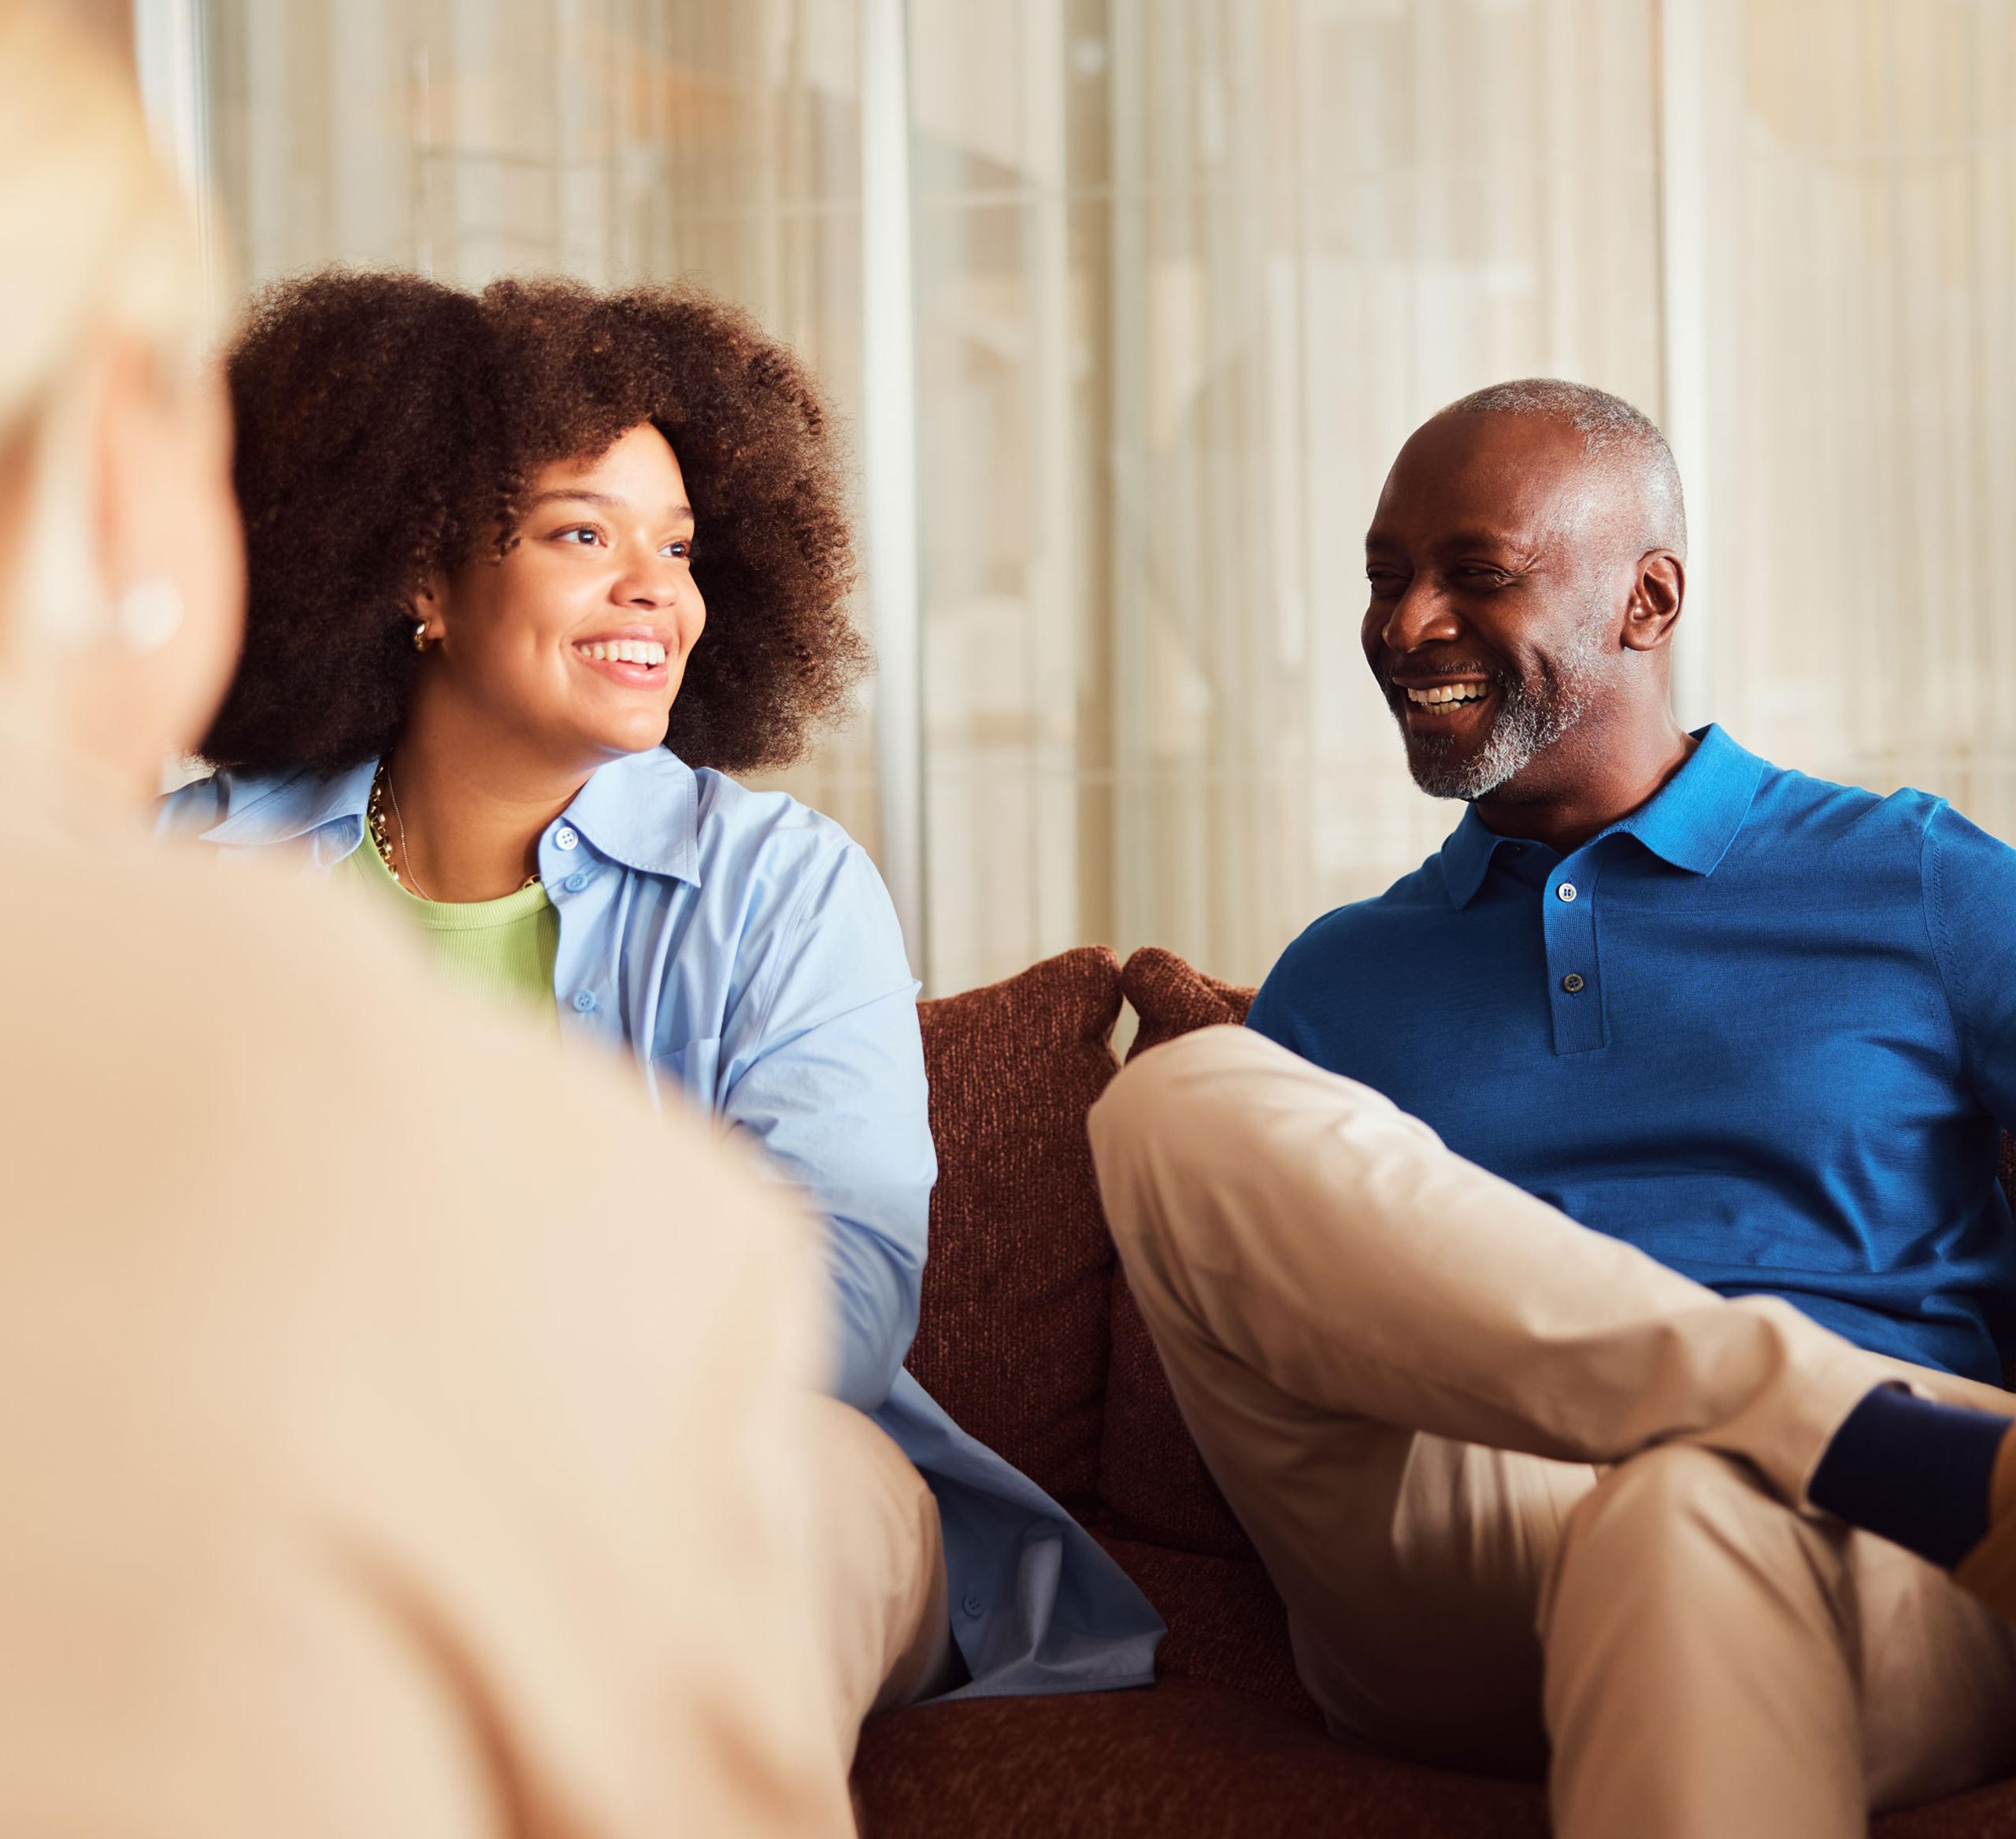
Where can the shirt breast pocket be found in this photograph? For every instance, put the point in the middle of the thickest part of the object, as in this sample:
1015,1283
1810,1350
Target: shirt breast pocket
693,1070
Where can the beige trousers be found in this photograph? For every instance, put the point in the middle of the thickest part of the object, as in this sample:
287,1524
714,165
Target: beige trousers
1519,1483
878,1556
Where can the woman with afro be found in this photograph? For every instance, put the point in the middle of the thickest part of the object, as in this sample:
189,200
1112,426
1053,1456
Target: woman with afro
531,572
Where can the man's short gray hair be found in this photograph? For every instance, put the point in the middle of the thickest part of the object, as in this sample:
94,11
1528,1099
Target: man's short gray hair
1608,424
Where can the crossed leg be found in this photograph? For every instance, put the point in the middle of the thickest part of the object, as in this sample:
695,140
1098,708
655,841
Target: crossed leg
1519,1482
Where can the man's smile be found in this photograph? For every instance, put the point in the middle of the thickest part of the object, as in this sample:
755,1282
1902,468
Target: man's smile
1448,708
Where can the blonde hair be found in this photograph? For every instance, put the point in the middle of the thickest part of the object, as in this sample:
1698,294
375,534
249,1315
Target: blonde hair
98,241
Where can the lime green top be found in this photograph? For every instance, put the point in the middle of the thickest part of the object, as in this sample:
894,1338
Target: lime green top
504,947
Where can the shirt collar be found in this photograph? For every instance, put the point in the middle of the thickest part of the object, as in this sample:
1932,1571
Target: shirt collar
266,810
642,810
1690,822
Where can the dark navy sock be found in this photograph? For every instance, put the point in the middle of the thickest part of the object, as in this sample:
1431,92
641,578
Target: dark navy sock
1914,1472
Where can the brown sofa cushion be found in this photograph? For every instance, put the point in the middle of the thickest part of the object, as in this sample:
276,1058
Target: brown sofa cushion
1172,998
1188,1761
1013,1336
1154,1483
1227,1625
1183,1758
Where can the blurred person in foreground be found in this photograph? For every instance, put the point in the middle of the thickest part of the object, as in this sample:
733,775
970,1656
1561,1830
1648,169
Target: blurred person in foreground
379,1452
532,573
1587,1273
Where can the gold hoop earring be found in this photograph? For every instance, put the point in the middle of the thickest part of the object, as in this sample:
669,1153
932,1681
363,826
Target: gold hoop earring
420,634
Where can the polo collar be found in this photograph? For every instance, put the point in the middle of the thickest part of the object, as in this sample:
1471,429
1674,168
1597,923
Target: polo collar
642,810
1695,817
1466,857
1690,822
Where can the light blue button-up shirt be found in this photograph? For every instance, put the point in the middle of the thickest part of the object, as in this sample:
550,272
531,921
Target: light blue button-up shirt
742,948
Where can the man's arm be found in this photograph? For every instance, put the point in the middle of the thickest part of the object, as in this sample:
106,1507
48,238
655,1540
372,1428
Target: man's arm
1970,885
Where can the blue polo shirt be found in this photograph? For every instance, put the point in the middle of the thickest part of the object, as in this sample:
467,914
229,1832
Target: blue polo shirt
1764,1028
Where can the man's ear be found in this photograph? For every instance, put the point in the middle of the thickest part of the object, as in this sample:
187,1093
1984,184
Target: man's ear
1656,598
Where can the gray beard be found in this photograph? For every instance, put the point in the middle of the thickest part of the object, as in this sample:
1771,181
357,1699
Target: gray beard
1528,723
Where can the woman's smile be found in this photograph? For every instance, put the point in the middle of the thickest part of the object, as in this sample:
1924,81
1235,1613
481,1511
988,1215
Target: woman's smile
631,656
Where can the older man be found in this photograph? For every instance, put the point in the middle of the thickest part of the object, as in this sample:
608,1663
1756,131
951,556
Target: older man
1593,1225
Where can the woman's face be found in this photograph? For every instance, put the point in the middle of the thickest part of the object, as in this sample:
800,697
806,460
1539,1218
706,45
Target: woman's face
575,641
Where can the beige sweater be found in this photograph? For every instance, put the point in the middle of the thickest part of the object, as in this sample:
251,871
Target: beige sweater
396,1426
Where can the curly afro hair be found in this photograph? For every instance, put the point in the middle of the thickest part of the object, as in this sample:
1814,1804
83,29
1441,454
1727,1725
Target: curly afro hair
388,427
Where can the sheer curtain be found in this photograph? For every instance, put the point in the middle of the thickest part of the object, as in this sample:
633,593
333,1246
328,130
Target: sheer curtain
1186,273
1861,422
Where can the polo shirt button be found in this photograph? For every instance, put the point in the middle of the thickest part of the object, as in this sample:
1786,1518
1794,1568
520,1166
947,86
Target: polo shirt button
1567,890
1571,983
564,838
971,1603
575,882
584,1000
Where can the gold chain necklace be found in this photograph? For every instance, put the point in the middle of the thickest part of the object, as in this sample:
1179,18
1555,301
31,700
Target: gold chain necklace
377,822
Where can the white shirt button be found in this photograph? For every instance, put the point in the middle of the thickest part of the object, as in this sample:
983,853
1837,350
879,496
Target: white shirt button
564,838
1567,890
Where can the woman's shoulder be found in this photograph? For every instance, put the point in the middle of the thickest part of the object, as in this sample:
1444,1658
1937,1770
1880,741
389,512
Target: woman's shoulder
800,890
260,807
733,818
193,805
765,849
755,848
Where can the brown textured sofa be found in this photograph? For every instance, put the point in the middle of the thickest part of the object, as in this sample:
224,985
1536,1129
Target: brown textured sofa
1029,1338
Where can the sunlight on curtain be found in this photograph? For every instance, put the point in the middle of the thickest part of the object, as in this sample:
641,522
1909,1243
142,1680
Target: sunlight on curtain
1190,270
1187,272
1862,291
